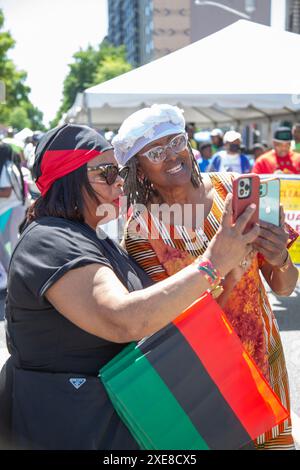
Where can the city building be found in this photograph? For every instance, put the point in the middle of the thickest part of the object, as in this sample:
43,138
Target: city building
149,28
153,28
293,16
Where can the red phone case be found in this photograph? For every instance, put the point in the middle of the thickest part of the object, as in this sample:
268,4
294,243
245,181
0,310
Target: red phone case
239,205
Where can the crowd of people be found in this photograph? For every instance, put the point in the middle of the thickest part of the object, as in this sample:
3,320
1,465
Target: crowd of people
75,298
225,152
16,160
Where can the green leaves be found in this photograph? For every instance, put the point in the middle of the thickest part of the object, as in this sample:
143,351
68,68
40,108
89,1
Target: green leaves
17,110
90,67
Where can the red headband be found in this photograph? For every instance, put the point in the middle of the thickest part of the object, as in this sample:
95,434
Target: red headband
58,163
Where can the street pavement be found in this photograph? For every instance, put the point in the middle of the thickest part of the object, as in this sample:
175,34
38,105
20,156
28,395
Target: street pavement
287,312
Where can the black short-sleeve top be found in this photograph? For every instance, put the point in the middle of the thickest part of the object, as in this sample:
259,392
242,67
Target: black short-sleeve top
39,337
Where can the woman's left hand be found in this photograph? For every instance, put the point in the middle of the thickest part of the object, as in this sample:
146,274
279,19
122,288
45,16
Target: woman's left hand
272,241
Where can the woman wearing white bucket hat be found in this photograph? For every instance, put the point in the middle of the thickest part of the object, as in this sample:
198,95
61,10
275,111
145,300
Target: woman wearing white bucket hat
162,171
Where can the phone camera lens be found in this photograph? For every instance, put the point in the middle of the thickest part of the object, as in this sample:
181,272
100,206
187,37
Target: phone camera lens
242,184
242,192
247,187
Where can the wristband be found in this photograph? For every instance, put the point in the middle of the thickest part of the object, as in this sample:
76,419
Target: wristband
209,272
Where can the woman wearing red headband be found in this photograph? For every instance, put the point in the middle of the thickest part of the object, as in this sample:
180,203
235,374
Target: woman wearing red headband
75,299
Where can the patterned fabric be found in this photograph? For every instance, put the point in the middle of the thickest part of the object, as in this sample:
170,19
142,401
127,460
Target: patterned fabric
171,248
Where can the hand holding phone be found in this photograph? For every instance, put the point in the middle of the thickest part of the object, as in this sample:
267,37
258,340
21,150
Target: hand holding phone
269,201
245,190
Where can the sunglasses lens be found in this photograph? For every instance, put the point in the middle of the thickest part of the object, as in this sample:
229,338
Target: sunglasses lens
124,173
156,155
111,174
178,143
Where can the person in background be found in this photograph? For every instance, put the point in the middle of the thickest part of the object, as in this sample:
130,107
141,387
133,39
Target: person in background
109,135
205,149
281,159
230,159
12,197
258,149
216,136
12,210
266,146
30,146
296,137
16,146
190,130
3,280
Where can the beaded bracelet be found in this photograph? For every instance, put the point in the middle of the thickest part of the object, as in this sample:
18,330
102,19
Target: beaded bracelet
210,273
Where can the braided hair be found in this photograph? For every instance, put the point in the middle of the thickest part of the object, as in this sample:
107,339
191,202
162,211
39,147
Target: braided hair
141,190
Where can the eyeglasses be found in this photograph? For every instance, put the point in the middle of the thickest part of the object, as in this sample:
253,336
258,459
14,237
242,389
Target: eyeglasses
108,172
159,154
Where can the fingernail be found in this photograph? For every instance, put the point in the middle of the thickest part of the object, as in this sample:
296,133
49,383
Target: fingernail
253,206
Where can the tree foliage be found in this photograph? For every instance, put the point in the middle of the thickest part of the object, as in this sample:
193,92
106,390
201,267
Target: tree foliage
90,67
17,110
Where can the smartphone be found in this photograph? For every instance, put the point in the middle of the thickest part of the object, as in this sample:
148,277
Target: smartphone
269,201
245,191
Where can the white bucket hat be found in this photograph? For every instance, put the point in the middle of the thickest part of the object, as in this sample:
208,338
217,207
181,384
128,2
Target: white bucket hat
145,126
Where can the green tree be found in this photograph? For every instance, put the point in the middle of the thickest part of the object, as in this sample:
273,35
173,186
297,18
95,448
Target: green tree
17,109
90,67
18,118
110,68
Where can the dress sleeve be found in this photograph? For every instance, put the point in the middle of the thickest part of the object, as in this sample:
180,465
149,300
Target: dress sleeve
140,248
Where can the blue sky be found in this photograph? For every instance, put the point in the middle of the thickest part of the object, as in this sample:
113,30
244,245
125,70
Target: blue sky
47,33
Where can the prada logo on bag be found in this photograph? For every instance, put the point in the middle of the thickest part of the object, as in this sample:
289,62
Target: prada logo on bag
77,382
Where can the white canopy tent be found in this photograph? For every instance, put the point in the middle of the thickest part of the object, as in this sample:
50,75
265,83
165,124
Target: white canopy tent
239,74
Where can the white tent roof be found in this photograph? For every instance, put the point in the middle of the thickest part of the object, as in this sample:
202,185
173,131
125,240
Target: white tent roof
243,72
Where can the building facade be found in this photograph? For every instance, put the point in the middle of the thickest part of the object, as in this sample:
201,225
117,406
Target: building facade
153,28
149,28
293,16
123,19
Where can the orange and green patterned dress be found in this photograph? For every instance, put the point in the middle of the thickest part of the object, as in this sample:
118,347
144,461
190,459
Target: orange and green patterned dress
173,247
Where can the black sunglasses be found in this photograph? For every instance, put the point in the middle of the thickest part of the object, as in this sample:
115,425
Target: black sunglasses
109,172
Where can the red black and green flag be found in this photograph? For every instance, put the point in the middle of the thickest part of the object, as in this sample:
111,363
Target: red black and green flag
192,386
